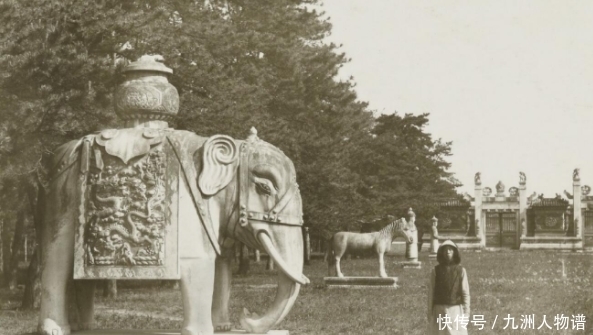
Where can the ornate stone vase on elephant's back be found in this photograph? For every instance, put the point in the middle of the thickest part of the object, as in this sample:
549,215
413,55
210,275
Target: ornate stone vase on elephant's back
146,94
146,201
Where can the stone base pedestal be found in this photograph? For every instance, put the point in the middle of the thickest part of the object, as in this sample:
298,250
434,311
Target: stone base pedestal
551,243
411,265
164,332
432,256
360,282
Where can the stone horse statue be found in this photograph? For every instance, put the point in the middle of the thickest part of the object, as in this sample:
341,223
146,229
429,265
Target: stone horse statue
379,241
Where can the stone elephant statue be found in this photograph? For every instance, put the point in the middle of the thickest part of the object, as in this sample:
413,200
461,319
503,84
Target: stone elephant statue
150,202
251,196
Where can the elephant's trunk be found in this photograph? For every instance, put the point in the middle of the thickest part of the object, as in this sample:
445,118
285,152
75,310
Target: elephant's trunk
290,262
286,295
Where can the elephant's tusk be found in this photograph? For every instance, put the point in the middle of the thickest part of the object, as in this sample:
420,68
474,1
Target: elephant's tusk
266,242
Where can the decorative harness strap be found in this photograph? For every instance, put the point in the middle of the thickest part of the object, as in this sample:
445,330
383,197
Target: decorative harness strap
273,216
198,201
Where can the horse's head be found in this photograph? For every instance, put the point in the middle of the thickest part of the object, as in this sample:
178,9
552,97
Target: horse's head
400,228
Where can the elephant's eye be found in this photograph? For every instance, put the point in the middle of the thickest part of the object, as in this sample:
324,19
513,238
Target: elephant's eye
263,188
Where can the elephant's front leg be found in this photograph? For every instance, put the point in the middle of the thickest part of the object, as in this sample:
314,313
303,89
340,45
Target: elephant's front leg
222,294
197,283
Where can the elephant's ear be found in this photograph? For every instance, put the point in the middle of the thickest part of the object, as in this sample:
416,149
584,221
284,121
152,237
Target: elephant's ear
220,158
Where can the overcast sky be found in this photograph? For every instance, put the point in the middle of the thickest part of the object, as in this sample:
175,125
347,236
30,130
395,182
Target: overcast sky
509,82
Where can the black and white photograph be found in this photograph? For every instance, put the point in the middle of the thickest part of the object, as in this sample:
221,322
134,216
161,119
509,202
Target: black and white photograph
292,167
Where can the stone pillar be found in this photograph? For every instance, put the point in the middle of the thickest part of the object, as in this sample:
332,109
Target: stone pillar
478,210
522,231
576,204
257,255
307,240
412,248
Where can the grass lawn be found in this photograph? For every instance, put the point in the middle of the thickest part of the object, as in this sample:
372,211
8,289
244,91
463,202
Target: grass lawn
501,284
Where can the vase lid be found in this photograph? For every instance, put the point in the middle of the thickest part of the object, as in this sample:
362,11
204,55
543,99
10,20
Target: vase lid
152,63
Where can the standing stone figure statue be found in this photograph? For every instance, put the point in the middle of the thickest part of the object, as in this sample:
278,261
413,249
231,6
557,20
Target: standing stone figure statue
412,247
434,237
146,201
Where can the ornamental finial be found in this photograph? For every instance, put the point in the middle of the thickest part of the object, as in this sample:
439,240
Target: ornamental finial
575,175
252,135
500,188
151,63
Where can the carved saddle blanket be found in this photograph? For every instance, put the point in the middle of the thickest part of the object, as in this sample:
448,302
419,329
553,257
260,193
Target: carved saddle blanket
128,213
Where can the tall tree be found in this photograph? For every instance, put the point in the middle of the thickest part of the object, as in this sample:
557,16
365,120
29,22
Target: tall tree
32,294
403,167
17,244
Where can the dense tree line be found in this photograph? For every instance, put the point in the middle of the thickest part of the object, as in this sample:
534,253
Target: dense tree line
237,64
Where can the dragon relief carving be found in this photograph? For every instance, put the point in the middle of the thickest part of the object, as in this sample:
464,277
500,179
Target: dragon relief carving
125,211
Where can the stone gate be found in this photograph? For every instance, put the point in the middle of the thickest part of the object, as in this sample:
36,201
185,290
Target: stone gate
510,219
